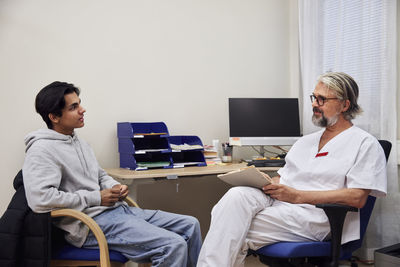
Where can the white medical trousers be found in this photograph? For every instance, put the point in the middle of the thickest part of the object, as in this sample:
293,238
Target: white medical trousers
247,218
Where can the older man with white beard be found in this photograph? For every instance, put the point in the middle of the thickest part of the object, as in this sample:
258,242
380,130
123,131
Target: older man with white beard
338,164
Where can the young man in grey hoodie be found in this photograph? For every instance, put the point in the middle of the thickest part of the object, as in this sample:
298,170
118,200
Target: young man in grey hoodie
61,171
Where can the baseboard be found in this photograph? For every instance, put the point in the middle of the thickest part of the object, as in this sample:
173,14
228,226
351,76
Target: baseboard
366,254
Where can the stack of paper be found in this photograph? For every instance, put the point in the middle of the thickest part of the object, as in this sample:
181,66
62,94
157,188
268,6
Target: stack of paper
211,155
185,147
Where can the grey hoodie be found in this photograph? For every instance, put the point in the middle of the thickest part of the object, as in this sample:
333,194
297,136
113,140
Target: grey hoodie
61,171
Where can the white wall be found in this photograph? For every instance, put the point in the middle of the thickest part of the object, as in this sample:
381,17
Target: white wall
398,76
175,61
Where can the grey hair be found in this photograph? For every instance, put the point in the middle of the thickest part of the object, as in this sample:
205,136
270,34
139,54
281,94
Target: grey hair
345,88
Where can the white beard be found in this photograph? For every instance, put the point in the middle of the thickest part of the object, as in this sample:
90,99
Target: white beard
323,121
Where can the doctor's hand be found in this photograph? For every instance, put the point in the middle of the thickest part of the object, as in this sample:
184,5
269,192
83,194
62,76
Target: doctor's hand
282,192
276,179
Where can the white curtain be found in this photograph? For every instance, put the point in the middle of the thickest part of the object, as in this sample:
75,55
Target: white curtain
358,38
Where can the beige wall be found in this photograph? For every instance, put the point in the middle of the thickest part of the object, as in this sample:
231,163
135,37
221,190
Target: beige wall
175,61
398,73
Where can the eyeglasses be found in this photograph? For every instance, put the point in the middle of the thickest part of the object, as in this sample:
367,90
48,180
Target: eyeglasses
320,99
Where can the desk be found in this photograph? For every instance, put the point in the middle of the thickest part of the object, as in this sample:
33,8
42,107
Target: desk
130,175
190,190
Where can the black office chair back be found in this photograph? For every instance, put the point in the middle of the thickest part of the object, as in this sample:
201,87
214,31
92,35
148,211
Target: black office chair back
365,212
387,146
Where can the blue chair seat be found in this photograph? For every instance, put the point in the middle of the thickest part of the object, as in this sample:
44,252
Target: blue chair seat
296,249
69,252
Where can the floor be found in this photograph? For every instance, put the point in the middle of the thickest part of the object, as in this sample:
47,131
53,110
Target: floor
252,261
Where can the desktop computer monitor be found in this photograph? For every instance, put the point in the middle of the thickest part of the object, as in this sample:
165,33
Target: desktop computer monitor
263,121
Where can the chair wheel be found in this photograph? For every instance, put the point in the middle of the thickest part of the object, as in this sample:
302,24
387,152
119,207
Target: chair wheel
353,262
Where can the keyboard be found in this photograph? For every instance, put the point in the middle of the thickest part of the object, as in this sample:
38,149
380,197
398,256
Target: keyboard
267,163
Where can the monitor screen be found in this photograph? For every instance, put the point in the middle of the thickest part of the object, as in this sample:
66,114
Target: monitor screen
263,121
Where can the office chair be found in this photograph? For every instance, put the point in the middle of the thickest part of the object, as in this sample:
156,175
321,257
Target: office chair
325,253
68,255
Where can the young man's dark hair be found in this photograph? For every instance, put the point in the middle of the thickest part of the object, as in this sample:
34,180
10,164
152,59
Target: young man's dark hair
51,100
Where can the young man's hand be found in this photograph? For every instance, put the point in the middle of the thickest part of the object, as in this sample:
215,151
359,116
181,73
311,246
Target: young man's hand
109,196
116,193
123,191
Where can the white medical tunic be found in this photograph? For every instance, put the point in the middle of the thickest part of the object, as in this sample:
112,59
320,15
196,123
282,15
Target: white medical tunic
352,159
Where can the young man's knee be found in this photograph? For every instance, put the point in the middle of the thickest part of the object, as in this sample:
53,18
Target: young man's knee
192,221
178,245
189,224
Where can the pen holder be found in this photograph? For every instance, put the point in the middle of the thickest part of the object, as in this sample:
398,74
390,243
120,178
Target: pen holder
226,154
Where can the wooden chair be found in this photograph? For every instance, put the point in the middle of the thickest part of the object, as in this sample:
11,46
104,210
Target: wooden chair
72,256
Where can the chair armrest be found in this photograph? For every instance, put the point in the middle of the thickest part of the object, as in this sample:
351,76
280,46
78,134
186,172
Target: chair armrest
93,226
336,214
131,202
338,207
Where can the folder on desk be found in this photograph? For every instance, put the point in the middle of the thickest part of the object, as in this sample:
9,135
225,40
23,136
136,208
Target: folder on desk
249,176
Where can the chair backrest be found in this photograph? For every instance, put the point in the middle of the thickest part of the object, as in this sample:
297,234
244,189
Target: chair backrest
387,146
365,212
